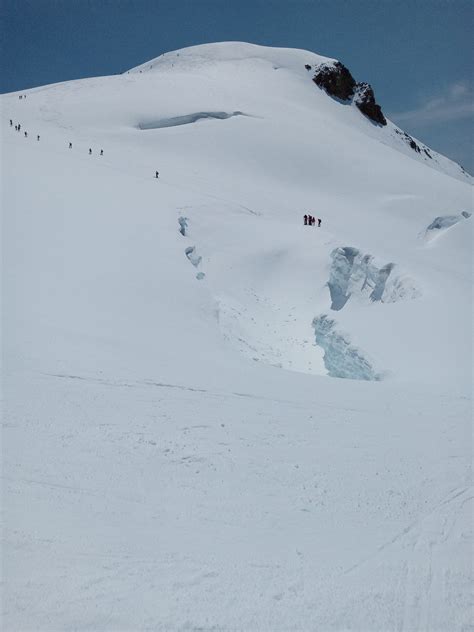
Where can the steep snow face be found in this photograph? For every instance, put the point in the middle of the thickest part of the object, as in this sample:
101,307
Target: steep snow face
218,416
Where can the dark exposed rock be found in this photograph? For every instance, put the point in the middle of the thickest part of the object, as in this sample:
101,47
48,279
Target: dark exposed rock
307,66
336,80
365,100
409,141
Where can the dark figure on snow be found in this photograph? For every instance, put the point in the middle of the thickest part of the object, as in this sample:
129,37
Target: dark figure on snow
19,127
156,174
26,134
101,152
305,220
70,145
11,122
310,220
37,138
313,221
319,222
90,151
20,97
16,128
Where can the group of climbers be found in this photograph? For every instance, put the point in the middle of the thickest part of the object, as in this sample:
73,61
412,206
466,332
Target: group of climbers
309,220
101,153
18,128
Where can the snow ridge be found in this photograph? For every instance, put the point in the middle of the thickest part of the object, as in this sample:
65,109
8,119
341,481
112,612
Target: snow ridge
186,119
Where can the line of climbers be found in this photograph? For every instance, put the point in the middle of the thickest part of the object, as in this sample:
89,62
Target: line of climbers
18,128
309,220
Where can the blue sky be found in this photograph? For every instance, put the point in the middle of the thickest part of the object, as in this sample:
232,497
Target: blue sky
417,54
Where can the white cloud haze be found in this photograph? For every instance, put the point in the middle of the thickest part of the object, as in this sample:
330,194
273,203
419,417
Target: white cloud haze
455,103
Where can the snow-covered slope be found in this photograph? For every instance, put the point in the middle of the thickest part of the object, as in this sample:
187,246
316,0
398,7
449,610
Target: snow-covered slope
179,449
220,61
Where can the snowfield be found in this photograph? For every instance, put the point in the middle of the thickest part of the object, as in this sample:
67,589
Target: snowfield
215,417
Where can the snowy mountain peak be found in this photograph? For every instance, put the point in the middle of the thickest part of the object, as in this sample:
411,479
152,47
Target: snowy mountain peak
221,52
334,78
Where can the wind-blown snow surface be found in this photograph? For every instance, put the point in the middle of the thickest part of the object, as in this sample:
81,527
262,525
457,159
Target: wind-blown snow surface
175,456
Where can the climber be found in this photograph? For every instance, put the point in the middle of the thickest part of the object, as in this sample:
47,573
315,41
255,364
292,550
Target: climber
305,220
37,138
319,222
11,123
101,152
26,134
156,174
70,145
90,151
19,127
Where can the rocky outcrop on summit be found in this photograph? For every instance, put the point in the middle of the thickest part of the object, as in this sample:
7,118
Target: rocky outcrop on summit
365,100
338,82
